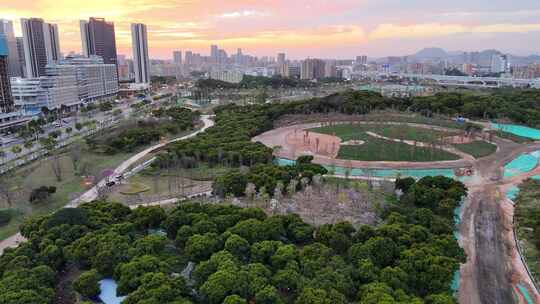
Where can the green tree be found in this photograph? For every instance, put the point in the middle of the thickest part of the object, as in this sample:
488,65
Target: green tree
88,284
201,247
238,246
268,295
320,296
234,299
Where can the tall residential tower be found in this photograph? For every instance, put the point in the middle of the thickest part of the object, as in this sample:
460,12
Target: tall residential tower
98,38
6,100
14,65
141,61
41,45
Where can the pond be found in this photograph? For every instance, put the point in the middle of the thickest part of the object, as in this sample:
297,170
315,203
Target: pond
108,292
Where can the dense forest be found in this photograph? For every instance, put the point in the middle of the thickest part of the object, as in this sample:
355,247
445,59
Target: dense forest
143,132
254,82
230,139
269,177
240,255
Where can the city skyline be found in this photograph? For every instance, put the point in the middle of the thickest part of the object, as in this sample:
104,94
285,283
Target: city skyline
325,29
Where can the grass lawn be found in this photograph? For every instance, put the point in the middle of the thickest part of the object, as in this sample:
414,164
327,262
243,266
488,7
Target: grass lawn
383,150
375,149
478,148
40,173
513,137
134,188
405,132
156,188
415,118
527,219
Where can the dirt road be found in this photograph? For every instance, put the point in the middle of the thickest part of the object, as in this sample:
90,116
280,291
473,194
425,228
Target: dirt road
490,274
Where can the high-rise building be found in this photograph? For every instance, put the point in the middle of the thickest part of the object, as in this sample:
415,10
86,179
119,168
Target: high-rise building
52,42
312,69
361,60
141,61
20,54
280,59
214,53
98,38
282,65
41,45
189,58
330,69
6,101
14,65
500,63
177,57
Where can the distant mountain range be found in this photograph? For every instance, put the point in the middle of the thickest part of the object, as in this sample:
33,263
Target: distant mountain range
482,58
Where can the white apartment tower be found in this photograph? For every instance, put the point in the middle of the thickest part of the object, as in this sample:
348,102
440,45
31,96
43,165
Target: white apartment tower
141,61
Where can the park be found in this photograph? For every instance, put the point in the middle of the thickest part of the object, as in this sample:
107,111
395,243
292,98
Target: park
351,178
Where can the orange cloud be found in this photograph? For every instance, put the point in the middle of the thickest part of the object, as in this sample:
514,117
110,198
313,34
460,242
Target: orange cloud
391,31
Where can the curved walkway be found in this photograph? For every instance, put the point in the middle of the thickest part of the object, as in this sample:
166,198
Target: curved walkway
92,193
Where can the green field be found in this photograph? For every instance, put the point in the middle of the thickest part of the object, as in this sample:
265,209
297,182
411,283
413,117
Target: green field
40,173
405,132
527,219
477,148
375,149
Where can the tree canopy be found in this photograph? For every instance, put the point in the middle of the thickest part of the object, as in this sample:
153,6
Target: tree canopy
242,255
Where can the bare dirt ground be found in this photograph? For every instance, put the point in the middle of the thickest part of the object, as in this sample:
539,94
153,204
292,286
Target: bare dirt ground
493,268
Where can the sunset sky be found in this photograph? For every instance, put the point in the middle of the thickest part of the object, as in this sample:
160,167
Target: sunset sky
316,28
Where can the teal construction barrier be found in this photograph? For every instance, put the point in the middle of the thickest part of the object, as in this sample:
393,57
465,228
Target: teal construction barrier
381,173
523,164
518,130
512,193
525,293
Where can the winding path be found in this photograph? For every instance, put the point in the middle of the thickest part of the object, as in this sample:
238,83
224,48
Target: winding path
92,193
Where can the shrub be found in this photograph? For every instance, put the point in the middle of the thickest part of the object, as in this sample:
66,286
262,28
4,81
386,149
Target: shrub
5,216
41,194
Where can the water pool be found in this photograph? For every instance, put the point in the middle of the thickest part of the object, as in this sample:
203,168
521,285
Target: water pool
517,130
523,164
108,292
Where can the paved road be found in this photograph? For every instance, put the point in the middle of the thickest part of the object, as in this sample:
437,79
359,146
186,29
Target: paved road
92,193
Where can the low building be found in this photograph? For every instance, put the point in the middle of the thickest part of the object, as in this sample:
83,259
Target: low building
69,82
32,94
227,76
96,81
